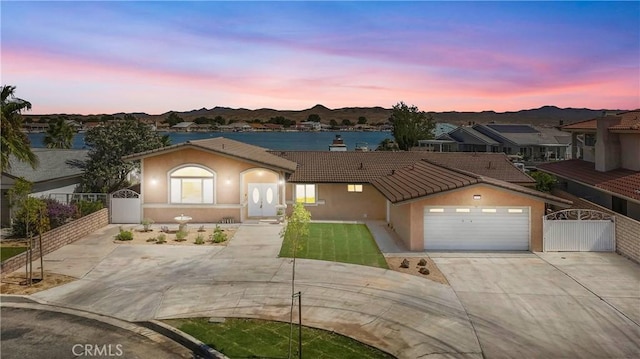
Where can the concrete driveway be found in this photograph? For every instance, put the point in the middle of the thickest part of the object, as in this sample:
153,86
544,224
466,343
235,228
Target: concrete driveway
407,316
550,305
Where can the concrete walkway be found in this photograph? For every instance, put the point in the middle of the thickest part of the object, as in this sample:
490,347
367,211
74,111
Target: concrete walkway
404,315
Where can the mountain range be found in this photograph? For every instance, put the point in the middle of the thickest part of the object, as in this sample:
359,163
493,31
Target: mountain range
543,116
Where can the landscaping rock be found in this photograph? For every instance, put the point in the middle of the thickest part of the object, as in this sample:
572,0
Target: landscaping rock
405,263
424,271
423,262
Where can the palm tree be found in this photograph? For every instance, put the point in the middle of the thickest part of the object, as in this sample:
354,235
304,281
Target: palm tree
13,140
59,135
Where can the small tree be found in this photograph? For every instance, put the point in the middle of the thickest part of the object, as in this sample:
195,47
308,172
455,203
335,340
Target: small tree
105,171
314,117
59,134
544,181
410,125
296,229
362,120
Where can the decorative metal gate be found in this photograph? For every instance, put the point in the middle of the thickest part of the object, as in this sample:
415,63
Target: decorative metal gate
579,230
125,206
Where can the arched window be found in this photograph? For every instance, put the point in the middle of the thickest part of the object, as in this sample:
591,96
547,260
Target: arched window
192,184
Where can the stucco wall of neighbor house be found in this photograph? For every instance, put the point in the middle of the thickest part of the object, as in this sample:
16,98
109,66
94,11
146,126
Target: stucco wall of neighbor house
231,179
608,147
491,196
336,203
630,149
59,237
588,193
627,229
400,221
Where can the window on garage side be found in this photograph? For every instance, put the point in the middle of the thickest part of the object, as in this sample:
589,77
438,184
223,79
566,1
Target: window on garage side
354,188
192,184
306,193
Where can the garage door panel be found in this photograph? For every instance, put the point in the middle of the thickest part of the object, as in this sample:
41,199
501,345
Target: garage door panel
495,229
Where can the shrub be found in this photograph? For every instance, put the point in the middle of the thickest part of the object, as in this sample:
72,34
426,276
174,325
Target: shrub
162,238
199,239
201,228
59,213
181,236
218,235
30,213
87,207
146,223
124,235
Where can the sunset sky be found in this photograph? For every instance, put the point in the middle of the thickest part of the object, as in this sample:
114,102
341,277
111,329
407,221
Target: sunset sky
153,57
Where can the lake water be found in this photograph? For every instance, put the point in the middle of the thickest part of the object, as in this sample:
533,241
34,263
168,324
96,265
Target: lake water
287,141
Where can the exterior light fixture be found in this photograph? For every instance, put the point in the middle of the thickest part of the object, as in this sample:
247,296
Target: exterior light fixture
281,182
228,181
154,181
477,197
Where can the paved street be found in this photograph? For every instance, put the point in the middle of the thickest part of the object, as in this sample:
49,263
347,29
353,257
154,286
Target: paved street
42,334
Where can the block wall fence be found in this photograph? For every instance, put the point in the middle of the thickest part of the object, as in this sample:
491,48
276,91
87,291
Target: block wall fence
59,237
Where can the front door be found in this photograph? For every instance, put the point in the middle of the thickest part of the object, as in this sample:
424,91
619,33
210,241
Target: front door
263,198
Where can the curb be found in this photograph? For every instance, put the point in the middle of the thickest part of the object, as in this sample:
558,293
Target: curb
24,302
199,348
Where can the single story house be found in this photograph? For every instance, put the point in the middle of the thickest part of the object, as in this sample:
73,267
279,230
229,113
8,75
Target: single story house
54,175
434,201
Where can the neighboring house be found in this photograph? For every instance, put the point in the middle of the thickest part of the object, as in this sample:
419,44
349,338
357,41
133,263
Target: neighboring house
184,126
480,197
309,126
461,139
533,143
607,170
53,175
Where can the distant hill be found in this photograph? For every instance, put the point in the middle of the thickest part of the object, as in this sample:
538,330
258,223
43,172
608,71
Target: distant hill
543,116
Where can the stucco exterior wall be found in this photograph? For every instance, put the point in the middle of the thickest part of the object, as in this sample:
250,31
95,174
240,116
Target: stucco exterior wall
336,203
400,221
230,186
491,196
630,150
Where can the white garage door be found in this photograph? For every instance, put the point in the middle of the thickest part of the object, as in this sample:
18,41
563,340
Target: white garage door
476,228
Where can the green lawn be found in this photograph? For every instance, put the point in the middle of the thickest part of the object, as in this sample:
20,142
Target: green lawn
251,338
338,242
8,252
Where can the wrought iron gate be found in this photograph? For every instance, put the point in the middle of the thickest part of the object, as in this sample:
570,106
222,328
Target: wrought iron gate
579,230
125,206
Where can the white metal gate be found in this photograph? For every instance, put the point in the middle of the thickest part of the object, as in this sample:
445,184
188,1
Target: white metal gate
579,230
125,206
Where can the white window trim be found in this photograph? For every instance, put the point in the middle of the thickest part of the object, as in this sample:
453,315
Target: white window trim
170,177
315,191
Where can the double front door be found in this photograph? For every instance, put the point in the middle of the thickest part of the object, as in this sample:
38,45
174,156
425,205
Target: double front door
263,198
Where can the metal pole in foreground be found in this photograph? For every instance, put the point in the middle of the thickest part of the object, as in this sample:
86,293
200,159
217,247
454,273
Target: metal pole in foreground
299,295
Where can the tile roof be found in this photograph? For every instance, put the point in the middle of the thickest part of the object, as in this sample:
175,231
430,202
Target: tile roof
53,164
620,181
227,147
582,125
425,178
629,120
364,167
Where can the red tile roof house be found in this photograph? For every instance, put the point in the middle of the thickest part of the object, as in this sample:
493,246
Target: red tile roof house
608,169
435,201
